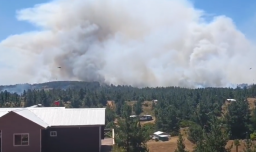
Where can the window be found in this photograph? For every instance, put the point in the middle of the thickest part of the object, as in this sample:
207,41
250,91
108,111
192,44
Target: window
21,139
53,133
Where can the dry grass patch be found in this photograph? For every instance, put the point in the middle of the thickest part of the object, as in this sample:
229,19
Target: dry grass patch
147,108
168,146
171,145
251,102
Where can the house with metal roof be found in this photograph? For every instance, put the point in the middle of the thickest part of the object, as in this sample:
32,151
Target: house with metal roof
54,129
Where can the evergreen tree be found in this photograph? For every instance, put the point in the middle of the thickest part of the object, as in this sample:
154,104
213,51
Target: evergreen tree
195,133
180,144
138,108
29,98
110,117
253,121
215,140
237,119
129,134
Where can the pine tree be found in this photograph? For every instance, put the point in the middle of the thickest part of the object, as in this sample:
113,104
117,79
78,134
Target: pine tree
110,117
138,108
253,120
129,134
237,119
214,140
180,145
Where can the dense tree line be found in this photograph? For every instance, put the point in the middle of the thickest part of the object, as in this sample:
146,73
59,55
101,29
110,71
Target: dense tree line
199,109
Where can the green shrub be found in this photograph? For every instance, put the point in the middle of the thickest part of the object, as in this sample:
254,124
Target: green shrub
185,123
148,129
253,136
117,149
174,133
195,133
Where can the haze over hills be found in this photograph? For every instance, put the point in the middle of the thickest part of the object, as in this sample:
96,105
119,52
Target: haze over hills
19,88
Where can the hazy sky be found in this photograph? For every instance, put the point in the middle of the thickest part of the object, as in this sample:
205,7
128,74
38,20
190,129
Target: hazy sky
242,12
137,42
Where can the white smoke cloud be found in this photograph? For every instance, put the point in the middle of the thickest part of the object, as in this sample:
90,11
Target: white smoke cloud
130,42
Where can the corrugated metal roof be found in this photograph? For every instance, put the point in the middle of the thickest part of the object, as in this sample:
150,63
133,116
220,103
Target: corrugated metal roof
26,113
71,117
3,113
60,116
45,108
9,109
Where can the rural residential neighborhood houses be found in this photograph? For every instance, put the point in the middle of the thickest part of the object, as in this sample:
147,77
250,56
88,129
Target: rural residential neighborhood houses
51,129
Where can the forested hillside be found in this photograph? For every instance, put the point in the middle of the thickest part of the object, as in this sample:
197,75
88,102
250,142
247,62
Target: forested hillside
203,110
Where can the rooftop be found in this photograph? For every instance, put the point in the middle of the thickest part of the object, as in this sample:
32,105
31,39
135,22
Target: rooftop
59,116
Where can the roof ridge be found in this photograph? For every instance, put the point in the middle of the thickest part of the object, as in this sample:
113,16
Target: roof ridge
14,110
38,117
85,108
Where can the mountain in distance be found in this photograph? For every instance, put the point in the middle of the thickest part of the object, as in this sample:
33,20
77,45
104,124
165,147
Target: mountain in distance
20,88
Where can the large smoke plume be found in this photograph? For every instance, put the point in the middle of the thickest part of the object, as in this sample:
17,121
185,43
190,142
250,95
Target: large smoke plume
130,42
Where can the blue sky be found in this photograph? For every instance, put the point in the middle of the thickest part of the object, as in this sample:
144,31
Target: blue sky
242,12
9,24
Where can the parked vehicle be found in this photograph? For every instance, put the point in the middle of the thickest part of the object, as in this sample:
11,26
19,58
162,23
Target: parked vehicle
146,118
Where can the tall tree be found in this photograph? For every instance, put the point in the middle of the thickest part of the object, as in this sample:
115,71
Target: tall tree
180,144
138,108
110,117
129,134
237,119
215,140
253,120
195,133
